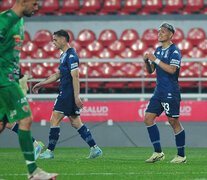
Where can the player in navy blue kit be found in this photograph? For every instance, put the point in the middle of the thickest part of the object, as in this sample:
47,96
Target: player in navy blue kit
68,102
166,61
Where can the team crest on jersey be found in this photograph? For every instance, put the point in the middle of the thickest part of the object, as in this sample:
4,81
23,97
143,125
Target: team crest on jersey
25,108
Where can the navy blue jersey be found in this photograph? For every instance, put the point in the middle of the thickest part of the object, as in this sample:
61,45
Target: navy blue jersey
65,102
167,86
69,61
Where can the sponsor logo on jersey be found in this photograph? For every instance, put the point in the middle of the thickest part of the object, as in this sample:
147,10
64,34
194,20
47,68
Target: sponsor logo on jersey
13,113
71,56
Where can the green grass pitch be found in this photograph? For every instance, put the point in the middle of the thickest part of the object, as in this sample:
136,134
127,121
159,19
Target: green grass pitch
115,164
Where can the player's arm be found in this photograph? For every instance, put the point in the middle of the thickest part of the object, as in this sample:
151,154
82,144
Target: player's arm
171,69
149,66
53,78
76,87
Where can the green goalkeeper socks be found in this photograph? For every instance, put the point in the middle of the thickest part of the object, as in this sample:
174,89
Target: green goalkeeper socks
25,141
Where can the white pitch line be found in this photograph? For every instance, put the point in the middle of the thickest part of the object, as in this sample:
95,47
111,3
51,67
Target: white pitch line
118,173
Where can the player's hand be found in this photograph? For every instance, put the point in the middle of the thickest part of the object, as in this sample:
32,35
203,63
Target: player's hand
152,57
36,88
23,83
78,103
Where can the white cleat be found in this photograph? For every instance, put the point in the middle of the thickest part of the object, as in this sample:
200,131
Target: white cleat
95,152
39,174
38,149
179,159
156,157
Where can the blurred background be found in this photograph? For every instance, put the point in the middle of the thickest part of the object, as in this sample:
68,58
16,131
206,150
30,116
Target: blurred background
110,37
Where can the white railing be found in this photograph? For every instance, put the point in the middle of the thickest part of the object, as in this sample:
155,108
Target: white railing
143,79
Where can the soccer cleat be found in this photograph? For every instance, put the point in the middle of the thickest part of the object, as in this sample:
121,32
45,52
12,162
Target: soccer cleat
179,159
156,157
95,152
38,149
46,155
39,174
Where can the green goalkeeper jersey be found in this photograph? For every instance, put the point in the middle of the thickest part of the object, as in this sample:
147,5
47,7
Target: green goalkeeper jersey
11,39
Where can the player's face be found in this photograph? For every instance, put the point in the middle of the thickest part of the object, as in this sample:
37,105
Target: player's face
164,35
30,7
58,42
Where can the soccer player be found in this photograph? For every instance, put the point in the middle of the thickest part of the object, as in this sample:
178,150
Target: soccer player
166,60
68,102
38,145
13,103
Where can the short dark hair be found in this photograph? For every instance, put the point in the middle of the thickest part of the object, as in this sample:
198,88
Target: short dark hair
168,26
62,33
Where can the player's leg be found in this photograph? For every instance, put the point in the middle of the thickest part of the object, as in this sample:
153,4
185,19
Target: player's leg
38,145
86,136
179,140
154,109
53,134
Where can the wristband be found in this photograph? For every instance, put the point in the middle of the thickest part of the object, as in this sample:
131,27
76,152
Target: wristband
157,61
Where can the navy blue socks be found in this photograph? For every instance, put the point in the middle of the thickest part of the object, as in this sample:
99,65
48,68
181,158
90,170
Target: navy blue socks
180,142
86,135
154,135
53,137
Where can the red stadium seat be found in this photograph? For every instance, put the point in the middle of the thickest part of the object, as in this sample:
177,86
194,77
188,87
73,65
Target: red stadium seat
111,6
139,69
115,85
29,48
84,54
91,6
203,46
82,70
7,4
85,37
39,54
129,36
23,55
26,37
38,71
128,53
130,69
95,47
107,37
70,6
194,6
178,36
93,70
106,70
150,37
196,53
117,47
204,69
157,45
185,46
70,35
49,6
50,68
189,69
152,6
132,6
25,68
196,35
173,6
76,45
138,47
49,48
56,54
106,54
42,37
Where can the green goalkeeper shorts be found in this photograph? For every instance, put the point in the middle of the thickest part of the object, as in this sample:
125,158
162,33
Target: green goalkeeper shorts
13,103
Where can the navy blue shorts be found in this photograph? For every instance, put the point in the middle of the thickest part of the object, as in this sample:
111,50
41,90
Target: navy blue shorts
171,107
66,105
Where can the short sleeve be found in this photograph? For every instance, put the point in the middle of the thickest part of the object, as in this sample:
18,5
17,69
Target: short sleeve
73,62
175,59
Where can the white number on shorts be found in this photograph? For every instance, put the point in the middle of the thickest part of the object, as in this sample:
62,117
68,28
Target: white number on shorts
166,107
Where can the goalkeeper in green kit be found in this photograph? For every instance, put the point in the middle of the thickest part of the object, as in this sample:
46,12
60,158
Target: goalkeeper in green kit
13,103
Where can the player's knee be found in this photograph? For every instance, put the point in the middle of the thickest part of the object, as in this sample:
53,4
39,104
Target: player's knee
25,124
148,120
173,122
